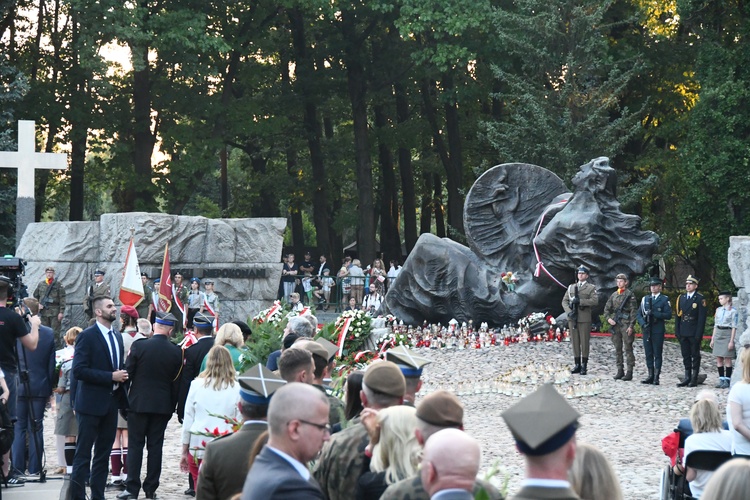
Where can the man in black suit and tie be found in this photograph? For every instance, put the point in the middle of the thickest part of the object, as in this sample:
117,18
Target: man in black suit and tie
98,394
298,427
153,366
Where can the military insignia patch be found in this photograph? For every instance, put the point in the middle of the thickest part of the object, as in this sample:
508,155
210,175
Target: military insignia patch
695,305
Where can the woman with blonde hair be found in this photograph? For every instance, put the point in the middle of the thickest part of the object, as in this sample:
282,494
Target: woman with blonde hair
395,450
211,404
738,410
230,336
592,476
731,481
707,435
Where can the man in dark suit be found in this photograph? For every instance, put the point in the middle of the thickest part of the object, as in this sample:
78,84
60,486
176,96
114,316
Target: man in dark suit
298,427
153,367
203,327
544,426
688,327
455,451
99,392
39,367
225,462
652,314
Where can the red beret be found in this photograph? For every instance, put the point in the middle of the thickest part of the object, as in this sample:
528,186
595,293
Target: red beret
130,311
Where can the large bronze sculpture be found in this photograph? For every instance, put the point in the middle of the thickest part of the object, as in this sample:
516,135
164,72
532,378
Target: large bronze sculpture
520,218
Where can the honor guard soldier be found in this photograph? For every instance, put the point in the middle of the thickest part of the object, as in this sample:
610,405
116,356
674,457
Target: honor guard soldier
51,296
652,313
578,302
411,365
620,313
544,426
95,290
688,326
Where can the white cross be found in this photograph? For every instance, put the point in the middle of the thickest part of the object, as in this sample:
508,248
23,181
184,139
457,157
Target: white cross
26,160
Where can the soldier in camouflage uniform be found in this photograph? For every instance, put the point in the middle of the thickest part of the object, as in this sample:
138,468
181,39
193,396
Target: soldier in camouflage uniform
51,296
437,411
620,312
323,353
342,460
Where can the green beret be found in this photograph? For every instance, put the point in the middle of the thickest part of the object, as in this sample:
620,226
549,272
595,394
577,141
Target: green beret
386,378
441,408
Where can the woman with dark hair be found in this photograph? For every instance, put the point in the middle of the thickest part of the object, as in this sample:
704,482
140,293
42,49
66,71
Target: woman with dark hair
195,301
352,389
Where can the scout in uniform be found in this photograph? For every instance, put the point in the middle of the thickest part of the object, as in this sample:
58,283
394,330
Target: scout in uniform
411,365
579,300
544,426
689,326
620,313
726,321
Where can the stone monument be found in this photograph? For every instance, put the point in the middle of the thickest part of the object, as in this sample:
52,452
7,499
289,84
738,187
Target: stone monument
241,255
520,218
738,257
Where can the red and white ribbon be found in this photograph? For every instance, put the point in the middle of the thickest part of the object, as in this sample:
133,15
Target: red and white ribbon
342,334
539,265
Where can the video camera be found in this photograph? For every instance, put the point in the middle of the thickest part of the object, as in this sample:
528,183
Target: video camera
12,270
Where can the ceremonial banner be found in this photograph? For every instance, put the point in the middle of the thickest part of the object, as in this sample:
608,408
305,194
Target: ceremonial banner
131,290
180,306
165,284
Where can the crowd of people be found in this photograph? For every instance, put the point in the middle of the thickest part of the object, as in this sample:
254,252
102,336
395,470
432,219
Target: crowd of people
277,431
351,287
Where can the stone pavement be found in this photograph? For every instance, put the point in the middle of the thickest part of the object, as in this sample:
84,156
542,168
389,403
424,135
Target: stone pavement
627,420
35,491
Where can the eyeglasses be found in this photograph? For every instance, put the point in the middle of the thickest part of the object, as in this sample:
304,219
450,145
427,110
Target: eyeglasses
322,427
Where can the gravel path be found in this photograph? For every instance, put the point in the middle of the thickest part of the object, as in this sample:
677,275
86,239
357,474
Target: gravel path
626,420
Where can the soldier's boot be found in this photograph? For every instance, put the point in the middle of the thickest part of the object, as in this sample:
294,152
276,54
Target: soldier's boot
628,375
620,373
694,379
584,366
650,378
577,367
657,372
684,382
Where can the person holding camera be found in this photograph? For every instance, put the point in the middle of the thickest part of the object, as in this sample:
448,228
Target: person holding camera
620,313
51,296
652,314
12,327
579,300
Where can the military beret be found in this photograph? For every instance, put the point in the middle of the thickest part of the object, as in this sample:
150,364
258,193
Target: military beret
258,384
655,281
441,408
130,311
195,280
622,276
98,272
583,269
203,320
144,275
691,279
157,280
542,422
385,377
165,318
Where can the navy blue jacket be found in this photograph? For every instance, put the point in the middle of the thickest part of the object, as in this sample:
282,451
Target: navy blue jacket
41,365
660,311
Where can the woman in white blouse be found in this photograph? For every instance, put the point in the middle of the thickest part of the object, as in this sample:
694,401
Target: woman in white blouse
212,399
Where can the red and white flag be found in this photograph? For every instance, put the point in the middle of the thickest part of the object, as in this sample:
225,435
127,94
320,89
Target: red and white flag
131,290
210,310
165,284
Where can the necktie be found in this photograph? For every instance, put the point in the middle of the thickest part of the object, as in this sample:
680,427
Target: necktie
113,348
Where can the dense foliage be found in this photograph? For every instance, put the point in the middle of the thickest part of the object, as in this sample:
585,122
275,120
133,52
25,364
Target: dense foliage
369,120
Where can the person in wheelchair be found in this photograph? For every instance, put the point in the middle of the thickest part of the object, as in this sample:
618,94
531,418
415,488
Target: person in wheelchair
707,435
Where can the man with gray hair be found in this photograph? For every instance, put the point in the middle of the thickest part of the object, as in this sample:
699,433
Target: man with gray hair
298,427
144,327
301,326
450,464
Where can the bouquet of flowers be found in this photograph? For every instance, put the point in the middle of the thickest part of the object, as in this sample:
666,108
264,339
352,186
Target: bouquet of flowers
273,315
510,280
393,339
350,332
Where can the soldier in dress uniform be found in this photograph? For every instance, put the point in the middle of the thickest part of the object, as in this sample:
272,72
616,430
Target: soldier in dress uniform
146,307
95,290
51,296
411,365
342,458
544,426
226,460
323,353
689,326
652,313
438,411
620,313
579,300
